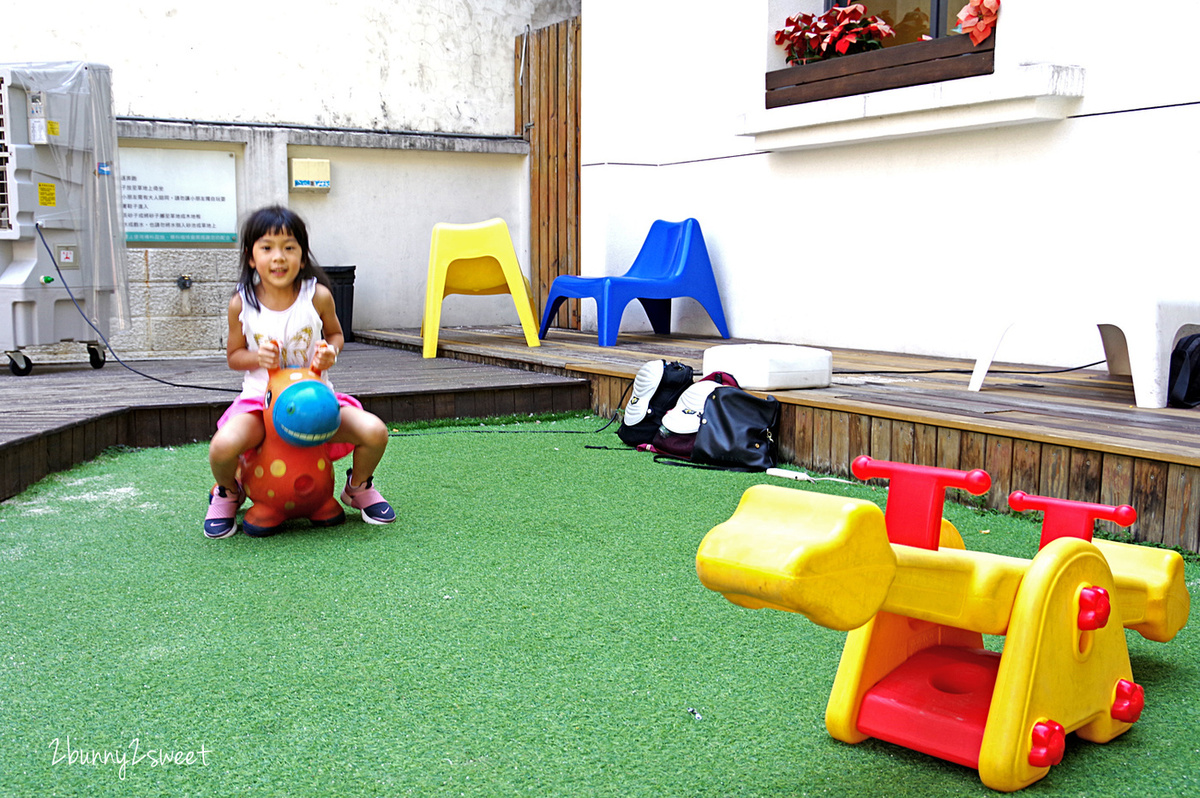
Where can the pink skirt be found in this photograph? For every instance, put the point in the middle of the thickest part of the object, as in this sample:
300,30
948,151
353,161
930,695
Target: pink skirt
245,404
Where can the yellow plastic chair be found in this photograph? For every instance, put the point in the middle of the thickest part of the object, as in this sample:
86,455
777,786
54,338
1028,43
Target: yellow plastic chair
476,260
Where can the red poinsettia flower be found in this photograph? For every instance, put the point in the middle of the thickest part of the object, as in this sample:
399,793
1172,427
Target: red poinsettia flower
978,18
839,31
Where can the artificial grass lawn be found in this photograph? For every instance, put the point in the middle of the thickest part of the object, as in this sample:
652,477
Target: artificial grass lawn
532,624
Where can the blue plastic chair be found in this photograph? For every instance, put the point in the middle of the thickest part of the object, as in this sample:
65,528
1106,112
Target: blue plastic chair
673,262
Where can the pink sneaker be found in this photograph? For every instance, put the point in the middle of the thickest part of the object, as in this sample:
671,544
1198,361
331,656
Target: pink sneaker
372,505
221,520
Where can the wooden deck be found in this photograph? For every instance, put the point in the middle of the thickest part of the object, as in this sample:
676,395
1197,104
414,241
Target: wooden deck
68,413
1074,435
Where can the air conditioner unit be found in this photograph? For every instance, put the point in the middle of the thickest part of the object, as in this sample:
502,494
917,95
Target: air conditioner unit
62,237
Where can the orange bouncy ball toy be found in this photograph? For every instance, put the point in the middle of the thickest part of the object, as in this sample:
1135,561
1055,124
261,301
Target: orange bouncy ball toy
286,480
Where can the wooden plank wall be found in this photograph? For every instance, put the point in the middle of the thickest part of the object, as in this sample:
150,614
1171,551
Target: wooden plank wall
1165,495
24,462
547,116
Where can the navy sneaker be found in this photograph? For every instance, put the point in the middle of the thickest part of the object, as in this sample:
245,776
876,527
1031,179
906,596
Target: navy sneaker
368,501
221,520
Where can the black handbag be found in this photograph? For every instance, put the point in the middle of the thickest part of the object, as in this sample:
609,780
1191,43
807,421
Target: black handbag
1183,382
737,430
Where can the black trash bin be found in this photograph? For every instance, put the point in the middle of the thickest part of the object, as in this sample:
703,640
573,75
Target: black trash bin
342,281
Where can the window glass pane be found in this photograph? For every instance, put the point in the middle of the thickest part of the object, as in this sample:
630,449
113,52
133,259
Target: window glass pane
909,18
952,10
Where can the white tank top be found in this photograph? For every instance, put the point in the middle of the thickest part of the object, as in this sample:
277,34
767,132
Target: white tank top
298,329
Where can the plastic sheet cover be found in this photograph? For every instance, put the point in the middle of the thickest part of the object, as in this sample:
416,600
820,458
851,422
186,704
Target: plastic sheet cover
83,147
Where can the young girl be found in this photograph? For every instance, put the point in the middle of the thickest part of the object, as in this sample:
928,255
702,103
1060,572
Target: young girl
282,316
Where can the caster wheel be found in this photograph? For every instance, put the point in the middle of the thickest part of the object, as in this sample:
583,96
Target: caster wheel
18,364
96,356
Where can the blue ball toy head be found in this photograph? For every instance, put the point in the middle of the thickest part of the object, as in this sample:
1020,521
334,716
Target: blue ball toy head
306,413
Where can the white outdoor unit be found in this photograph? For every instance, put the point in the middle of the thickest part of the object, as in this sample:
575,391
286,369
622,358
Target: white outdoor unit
61,230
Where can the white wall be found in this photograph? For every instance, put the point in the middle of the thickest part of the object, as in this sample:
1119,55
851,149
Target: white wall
380,213
668,90
433,65
907,244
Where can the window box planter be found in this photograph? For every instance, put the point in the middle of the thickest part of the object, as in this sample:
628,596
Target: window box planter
891,68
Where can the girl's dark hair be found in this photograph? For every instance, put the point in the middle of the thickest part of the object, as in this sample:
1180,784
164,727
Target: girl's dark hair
271,220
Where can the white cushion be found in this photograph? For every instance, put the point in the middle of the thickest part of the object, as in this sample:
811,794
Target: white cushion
771,367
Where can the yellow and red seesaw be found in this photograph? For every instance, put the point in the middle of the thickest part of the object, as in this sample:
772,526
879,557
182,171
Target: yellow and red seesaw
914,670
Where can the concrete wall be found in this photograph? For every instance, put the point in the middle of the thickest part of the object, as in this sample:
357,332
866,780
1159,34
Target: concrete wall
432,65
920,216
387,193
166,320
380,215
412,103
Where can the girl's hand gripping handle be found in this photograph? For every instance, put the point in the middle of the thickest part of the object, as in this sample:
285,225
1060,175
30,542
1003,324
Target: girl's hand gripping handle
323,358
269,354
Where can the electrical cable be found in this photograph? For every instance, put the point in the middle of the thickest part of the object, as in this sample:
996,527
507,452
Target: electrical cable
621,401
107,345
611,421
474,431
970,371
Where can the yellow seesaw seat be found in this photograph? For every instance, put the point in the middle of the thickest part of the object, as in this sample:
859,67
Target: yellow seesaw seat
825,557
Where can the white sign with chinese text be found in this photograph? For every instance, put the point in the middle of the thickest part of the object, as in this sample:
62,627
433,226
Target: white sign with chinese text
180,196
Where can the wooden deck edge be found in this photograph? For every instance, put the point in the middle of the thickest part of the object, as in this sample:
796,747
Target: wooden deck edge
25,460
824,433
1022,431
815,398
